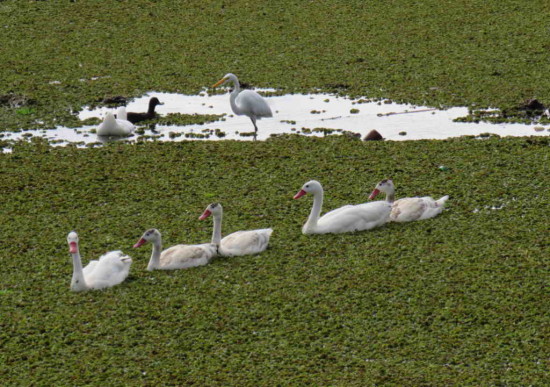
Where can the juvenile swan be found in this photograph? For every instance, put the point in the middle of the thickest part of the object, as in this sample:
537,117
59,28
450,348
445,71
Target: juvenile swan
110,270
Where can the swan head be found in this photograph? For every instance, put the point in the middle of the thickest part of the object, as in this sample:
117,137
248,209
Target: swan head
385,186
212,209
312,186
109,117
72,240
151,235
226,78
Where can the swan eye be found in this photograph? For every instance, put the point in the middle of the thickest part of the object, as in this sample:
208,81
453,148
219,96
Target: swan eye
307,186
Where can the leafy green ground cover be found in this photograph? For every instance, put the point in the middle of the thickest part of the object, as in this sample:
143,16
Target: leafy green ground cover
58,56
459,299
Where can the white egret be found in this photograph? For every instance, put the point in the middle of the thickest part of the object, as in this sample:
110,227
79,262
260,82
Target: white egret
246,102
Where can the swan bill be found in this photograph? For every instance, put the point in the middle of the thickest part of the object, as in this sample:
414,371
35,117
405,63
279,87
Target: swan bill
72,248
374,193
300,194
140,243
205,214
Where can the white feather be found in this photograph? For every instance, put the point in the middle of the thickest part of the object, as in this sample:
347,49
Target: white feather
112,126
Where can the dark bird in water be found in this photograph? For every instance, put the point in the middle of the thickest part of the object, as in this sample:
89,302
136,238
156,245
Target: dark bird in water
137,117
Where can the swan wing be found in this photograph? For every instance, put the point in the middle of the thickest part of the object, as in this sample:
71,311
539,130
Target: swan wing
336,211
115,128
411,209
407,209
355,217
111,269
245,242
90,267
126,127
184,256
106,128
433,207
253,104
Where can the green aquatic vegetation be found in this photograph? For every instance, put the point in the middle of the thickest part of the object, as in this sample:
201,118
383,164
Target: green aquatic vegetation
25,111
66,55
451,300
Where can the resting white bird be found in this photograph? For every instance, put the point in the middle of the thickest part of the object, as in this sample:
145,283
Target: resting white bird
178,256
409,209
110,270
237,243
344,219
246,102
119,126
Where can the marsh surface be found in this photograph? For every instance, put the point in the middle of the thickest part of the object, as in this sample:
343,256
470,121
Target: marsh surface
308,114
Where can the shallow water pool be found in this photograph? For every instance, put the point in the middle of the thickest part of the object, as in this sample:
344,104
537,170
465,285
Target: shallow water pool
292,113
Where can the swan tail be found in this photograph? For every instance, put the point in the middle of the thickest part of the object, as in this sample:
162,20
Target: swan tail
441,201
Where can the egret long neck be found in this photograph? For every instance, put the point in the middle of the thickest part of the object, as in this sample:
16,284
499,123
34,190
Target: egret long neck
217,230
78,282
315,211
233,98
154,262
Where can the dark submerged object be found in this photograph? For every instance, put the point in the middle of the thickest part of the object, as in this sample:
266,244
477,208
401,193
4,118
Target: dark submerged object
530,109
373,135
15,100
137,117
532,104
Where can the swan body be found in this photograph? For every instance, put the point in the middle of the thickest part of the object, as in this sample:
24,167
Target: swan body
138,117
178,256
344,219
111,269
112,126
246,102
238,243
409,209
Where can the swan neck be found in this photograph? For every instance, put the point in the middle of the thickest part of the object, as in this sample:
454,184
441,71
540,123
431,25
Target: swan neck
154,262
217,230
78,282
390,197
315,210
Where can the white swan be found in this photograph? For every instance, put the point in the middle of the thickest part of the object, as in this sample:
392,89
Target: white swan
119,126
409,209
110,270
246,102
238,243
178,256
344,219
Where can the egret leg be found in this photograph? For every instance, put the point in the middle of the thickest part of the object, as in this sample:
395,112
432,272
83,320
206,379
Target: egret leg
253,119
